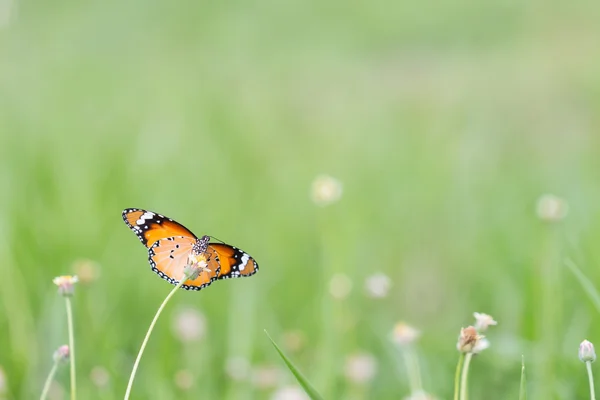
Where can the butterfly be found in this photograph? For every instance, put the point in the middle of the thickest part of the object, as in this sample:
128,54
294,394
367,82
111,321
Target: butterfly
171,245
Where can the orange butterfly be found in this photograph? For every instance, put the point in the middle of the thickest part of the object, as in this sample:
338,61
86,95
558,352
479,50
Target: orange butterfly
170,244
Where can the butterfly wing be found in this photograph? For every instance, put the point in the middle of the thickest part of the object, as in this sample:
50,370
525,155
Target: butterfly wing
235,263
169,256
150,226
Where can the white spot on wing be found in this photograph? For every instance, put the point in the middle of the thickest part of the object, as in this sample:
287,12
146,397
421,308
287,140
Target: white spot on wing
244,261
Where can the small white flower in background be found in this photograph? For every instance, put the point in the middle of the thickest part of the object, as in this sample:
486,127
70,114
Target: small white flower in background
66,284
99,376
290,393
378,285
184,379
360,368
587,352
551,208
238,368
419,395
325,190
483,321
3,382
469,341
189,325
340,286
265,376
86,270
404,334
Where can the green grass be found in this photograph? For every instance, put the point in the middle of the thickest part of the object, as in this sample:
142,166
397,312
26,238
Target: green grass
444,122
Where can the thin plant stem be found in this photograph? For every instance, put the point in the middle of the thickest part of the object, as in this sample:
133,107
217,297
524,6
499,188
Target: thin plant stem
49,381
71,347
464,377
412,368
139,356
461,358
588,365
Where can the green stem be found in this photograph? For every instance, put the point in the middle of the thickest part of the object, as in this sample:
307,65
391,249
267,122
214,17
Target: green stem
461,358
139,356
49,381
71,347
588,365
412,368
464,377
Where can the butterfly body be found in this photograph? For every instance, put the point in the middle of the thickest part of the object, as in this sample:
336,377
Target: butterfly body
171,247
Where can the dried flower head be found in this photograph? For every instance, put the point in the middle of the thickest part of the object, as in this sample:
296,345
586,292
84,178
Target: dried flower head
378,285
404,334
483,321
587,352
360,368
551,208
61,354
66,284
325,190
469,340
189,325
340,286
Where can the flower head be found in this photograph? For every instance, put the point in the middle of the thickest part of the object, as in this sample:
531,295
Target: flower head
587,352
325,190
378,285
404,334
61,354
66,284
483,321
361,368
551,208
469,341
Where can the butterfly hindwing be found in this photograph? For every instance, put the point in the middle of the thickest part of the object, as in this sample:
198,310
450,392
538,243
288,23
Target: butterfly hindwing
150,226
235,263
168,258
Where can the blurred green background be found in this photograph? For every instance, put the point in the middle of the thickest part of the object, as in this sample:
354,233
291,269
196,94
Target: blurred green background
444,122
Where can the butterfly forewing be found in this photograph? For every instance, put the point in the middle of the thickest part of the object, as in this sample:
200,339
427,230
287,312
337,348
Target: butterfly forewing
150,226
168,258
235,263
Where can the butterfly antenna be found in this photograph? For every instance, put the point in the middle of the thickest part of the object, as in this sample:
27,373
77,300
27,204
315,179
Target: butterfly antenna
217,239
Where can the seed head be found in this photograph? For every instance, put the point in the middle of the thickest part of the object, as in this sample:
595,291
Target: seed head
469,341
483,321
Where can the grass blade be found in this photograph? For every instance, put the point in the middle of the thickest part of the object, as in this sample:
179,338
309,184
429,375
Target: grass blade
308,388
523,388
585,283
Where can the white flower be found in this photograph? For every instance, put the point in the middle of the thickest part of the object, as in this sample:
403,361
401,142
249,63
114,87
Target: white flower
360,368
290,393
587,352
551,208
404,334
378,285
483,321
325,190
